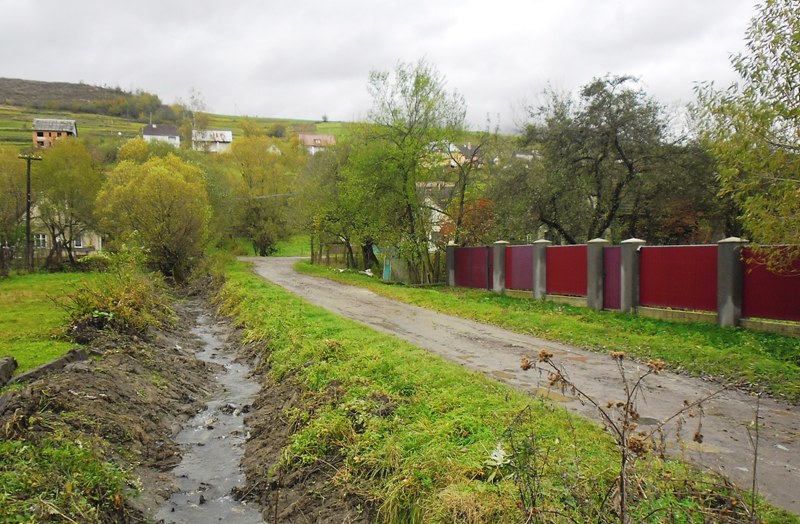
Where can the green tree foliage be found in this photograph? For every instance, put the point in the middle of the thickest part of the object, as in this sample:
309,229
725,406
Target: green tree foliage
12,196
138,151
400,160
161,204
68,182
604,165
753,128
332,207
268,169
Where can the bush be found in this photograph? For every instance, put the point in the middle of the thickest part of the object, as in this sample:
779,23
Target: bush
125,300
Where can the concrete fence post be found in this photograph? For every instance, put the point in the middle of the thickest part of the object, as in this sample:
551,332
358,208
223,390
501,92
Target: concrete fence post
594,272
450,261
629,274
540,268
730,281
499,267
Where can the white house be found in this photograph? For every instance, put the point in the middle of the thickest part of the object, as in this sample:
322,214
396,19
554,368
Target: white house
161,133
212,141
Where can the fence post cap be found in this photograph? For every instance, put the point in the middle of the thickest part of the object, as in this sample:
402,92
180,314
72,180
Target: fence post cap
542,241
501,242
633,241
733,240
598,241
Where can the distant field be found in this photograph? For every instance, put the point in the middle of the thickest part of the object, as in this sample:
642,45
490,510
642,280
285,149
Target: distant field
16,125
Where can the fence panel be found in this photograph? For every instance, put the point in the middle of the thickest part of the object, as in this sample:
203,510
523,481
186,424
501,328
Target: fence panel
682,277
767,294
566,270
474,267
612,277
519,268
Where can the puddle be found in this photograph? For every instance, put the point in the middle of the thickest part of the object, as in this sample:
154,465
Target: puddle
213,444
503,375
552,395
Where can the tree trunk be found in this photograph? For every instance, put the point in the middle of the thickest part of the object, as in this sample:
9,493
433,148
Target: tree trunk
368,255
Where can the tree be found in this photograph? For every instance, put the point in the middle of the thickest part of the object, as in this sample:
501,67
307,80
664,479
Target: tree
161,204
596,165
12,197
12,205
268,167
69,182
753,129
399,159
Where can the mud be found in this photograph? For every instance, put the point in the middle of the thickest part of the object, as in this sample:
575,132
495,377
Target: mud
497,352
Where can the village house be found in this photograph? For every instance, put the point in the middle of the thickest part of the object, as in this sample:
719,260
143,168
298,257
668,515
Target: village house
316,143
47,130
161,133
212,141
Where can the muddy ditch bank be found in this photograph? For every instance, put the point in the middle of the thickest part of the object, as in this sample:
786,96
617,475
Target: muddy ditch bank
138,402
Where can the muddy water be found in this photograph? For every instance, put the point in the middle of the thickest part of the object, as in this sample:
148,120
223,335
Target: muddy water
213,443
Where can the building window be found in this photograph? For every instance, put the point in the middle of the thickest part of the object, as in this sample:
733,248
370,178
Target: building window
40,133
78,242
39,240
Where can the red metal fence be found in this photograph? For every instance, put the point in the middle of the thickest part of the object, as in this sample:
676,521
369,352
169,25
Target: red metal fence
519,267
612,277
683,277
767,294
474,267
566,270
678,277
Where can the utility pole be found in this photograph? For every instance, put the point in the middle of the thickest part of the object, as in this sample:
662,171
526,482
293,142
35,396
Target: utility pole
28,157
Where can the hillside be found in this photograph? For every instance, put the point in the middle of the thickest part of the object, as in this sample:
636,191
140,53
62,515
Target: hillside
35,93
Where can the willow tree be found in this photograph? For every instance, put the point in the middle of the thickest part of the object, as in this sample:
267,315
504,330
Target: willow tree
753,129
162,205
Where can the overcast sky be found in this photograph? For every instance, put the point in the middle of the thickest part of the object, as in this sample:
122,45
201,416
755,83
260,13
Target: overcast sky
308,58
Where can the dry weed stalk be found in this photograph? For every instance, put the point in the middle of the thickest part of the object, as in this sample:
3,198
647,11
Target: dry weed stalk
620,418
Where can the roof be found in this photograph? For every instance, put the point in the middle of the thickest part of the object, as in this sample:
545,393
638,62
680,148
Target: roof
54,124
317,140
212,135
159,130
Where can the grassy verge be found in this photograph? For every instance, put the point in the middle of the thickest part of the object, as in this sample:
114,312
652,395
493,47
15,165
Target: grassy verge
30,318
424,440
744,358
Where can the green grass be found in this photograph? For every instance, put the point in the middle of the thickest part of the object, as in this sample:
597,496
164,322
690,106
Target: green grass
29,318
737,356
414,434
296,246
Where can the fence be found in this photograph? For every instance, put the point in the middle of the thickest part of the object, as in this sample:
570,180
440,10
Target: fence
725,282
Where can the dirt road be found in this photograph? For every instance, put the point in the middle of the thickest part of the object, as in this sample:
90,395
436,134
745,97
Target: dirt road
497,353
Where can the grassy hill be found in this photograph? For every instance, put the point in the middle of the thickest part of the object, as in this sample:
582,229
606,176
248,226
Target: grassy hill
23,100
